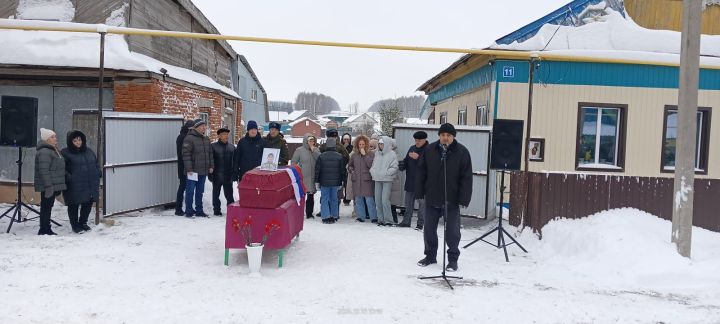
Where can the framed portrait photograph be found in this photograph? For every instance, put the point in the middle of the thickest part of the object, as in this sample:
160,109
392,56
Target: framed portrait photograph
270,159
536,150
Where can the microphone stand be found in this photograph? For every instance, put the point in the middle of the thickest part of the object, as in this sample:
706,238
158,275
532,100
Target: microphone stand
445,215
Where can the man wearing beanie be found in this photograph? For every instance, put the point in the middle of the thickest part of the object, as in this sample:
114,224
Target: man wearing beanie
249,150
198,161
274,140
444,155
409,165
222,176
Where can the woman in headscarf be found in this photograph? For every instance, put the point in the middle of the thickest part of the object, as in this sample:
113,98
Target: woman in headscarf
82,176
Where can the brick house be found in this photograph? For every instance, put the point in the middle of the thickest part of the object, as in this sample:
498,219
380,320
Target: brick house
190,77
305,125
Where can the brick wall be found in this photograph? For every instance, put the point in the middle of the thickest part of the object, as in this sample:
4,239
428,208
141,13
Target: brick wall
165,97
306,127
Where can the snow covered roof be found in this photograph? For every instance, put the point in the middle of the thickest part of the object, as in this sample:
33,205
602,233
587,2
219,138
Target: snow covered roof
415,121
278,115
353,118
600,30
296,114
302,120
68,49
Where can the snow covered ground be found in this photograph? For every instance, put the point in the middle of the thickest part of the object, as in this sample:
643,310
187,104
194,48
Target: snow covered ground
152,267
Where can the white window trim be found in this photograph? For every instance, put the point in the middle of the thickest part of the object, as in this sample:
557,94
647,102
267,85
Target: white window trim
598,134
698,149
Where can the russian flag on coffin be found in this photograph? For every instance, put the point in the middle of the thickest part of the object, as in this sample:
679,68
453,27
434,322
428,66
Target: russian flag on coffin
297,182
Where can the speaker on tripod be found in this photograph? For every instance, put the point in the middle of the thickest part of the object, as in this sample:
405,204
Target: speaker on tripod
18,121
505,154
18,128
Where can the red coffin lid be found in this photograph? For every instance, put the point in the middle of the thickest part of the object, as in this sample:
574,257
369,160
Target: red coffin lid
265,180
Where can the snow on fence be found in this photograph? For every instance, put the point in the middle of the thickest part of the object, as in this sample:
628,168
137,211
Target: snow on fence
538,198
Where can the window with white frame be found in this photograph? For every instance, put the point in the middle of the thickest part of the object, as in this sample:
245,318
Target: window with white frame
462,115
443,117
206,118
253,94
600,136
481,117
670,139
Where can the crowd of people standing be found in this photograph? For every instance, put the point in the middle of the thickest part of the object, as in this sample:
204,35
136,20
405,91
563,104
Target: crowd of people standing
363,171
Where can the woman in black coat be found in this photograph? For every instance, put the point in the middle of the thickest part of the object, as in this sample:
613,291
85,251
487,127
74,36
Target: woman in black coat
82,177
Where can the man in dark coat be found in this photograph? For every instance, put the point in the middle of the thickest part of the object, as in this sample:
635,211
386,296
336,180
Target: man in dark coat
249,150
222,176
276,141
444,155
182,176
330,174
199,162
82,177
409,165
333,133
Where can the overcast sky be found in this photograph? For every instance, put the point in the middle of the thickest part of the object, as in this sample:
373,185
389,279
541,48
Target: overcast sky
360,75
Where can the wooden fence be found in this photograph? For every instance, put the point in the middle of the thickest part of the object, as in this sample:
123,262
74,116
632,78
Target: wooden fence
537,198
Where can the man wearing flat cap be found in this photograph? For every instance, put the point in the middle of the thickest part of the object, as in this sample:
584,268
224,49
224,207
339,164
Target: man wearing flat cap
198,160
409,165
274,140
222,176
446,155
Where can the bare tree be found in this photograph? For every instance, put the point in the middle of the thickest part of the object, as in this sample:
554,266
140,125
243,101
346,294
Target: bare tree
390,113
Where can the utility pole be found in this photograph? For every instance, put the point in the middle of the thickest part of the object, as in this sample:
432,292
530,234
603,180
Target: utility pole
687,127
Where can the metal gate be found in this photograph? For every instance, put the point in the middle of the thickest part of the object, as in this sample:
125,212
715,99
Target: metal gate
140,168
477,141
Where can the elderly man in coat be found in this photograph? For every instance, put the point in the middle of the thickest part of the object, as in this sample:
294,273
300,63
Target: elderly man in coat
444,155
222,176
198,161
409,165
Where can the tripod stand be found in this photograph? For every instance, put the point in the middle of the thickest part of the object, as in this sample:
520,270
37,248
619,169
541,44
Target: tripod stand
16,208
445,216
501,231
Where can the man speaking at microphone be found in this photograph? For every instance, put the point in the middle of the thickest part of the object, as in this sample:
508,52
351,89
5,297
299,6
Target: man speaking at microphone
444,156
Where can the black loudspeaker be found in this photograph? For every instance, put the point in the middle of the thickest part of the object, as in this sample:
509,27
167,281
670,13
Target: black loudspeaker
507,142
18,121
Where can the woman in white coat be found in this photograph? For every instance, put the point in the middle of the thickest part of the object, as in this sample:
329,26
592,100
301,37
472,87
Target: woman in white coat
383,171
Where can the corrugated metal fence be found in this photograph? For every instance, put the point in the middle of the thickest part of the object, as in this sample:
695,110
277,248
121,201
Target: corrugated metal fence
140,168
537,198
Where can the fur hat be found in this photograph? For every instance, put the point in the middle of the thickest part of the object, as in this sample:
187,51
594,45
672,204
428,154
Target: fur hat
447,128
420,135
275,125
46,133
223,130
